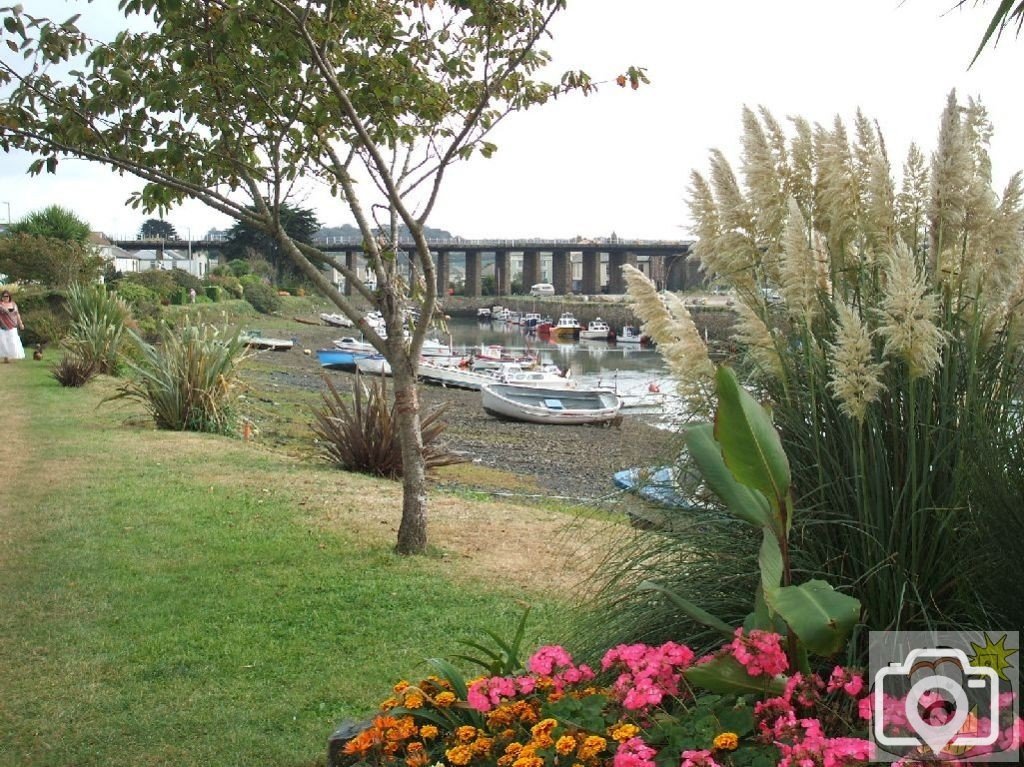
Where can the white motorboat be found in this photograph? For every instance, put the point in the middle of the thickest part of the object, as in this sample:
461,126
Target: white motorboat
550,406
547,377
493,357
453,376
597,329
631,335
351,344
336,320
483,313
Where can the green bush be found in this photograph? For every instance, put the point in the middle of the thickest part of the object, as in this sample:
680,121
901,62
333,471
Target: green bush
262,297
212,292
239,267
189,380
98,321
135,293
229,284
159,281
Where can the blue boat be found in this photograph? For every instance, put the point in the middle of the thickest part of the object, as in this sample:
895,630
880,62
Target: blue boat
339,359
670,508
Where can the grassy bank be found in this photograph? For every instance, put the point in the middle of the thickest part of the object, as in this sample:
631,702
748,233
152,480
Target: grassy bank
178,598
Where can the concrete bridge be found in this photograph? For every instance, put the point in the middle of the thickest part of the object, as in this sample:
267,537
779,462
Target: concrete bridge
571,266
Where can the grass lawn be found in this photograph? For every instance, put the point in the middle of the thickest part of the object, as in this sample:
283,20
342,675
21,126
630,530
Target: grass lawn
194,600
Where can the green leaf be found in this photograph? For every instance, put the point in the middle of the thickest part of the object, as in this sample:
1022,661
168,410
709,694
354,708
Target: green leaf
726,675
743,503
820,616
699,615
452,674
751,446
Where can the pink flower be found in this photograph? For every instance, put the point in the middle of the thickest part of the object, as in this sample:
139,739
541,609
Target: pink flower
760,652
852,684
634,753
547,658
864,708
700,758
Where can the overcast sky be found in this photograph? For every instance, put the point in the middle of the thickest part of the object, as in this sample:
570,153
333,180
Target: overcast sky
620,160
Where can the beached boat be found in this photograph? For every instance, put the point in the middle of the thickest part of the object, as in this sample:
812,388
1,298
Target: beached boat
373,364
671,507
338,359
567,325
597,329
493,357
350,344
254,340
453,376
548,377
336,320
550,406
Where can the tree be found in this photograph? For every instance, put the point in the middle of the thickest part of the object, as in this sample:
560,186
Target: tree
1007,13
240,103
300,224
55,222
157,229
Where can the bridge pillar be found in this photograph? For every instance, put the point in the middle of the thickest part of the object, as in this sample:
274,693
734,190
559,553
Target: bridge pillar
441,271
591,272
561,273
616,282
472,287
531,269
350,262
502,277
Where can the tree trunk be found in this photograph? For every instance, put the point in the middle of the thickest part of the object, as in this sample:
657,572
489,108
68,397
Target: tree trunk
412,532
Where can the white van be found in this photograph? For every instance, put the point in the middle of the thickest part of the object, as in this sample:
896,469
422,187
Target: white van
542,289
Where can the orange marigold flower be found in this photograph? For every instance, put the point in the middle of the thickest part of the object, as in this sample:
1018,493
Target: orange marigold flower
400,686
565,745
482,746
543,741
460,755
528,761
592,746
415,747
544,727
362,742
506,760
417,759
388,703
465,733
624,732
507,734
445,699
513,749
555,696
414,700
726,741
428,732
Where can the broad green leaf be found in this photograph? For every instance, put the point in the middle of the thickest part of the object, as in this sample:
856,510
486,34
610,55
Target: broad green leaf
751,446
820,616
726,675
699,615
743,503
762,619
452,674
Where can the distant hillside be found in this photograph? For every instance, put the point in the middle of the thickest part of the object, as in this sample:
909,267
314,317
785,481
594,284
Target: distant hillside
349,231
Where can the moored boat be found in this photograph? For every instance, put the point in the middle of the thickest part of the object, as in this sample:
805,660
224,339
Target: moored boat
338,359
567,325
550,406
597,329
350,344
543,378
373,364
254,340
336,320
631,335
493,357
453,376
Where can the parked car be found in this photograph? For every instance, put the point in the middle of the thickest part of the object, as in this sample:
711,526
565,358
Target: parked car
542,289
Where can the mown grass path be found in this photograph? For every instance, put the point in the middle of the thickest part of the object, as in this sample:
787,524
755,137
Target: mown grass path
194,600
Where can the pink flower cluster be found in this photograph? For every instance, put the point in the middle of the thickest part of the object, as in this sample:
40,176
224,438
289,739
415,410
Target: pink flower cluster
700,758
760,652
650,674
634,753
550,662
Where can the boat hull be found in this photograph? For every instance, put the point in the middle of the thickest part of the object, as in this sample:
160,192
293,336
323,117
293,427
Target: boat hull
550,406
374,364
338,359
454,377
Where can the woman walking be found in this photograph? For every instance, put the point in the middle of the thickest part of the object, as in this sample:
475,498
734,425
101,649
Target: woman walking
10,324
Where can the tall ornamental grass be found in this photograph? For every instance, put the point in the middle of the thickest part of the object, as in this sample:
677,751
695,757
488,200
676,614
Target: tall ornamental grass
97,331
189,379
893,364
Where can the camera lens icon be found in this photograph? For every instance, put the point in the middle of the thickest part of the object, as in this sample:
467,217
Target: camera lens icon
936,710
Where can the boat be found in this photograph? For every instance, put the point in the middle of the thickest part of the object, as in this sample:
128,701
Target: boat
373,364
631,335
550,406
567,325
549,377
483,313
597,329
493,357
338,359
336,320
350,344
434,348
669,506
531,320
254,340
453,376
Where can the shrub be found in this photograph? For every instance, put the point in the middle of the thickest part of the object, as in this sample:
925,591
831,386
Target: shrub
135,294
263,298
229,284
72,370
159,281
44,325
364,437
189,381
893,362
97,326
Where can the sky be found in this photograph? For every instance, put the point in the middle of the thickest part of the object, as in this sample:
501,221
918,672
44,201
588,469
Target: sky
620,160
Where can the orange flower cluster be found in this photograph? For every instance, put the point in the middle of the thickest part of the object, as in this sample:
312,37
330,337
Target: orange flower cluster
572,748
